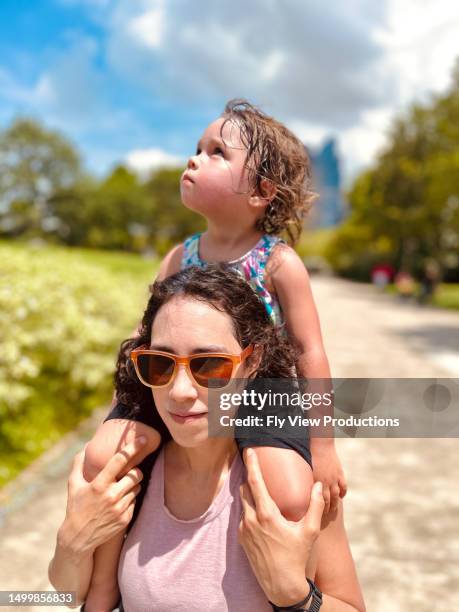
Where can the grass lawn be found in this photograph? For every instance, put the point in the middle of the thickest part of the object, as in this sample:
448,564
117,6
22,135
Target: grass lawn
134,266
447,296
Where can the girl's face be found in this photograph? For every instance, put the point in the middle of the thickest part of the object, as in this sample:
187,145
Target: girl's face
215,181
184,326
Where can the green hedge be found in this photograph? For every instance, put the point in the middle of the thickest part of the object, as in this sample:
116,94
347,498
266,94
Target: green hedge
63,314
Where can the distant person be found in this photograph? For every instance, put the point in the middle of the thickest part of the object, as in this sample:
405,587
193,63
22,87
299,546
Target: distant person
381,275
249,179
429,281
405,284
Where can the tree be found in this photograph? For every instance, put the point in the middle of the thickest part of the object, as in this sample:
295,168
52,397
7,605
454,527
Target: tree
405,209
172,222
34,164
120,213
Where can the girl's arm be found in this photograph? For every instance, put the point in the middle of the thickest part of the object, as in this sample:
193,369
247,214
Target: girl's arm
288,278
171,263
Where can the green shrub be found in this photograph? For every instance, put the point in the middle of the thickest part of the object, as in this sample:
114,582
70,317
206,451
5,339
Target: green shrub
352,251
314,243
63,314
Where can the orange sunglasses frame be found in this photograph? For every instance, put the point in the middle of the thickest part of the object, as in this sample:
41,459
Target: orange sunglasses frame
185,360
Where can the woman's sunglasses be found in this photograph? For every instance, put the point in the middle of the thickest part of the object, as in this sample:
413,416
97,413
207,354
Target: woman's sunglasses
158,369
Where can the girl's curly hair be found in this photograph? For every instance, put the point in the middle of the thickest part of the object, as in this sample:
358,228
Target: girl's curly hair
226,291
281,158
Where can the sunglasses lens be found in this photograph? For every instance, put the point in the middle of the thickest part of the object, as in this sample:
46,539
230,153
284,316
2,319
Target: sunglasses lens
206,368
155,369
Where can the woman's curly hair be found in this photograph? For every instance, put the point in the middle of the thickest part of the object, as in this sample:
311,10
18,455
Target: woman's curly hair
226,291
281,158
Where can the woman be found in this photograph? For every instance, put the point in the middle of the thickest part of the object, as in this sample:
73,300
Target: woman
188,548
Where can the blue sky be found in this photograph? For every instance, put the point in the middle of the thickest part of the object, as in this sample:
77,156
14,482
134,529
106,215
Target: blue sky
139,80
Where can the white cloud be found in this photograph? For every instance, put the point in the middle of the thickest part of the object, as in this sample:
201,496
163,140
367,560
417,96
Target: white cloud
147,28
291,57
343,72
272,65
143,161
421,44
70,94
312,135
359,145
17,92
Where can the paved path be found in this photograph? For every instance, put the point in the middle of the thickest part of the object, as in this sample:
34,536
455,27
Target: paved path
402,510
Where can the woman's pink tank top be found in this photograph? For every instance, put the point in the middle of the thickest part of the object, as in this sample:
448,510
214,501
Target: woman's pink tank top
172,565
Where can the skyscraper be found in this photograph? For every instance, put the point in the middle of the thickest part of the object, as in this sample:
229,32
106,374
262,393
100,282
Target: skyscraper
329,208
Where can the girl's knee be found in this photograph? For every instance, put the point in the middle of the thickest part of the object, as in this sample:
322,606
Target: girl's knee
294,496
96,457
295,503
111,437
288,478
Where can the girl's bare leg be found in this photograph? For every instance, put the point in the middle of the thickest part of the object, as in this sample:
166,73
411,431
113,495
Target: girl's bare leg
103,594
288,478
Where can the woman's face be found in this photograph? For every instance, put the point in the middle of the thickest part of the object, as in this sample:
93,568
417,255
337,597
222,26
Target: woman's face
184,326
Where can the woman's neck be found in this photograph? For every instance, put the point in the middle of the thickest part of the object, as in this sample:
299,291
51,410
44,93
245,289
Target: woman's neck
211,457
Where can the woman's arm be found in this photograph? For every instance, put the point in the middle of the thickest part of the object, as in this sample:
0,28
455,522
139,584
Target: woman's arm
281,553
278,550
95,512
70,570
335,573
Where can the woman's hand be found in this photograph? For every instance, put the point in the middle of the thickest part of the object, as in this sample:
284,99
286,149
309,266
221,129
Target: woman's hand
99,509
278,550
96,511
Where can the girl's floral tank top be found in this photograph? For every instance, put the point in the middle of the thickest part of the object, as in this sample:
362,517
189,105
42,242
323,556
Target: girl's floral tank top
251,266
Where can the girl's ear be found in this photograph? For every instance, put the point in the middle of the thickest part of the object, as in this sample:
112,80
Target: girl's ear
262,197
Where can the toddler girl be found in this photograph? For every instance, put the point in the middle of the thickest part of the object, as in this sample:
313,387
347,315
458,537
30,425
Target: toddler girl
249,179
